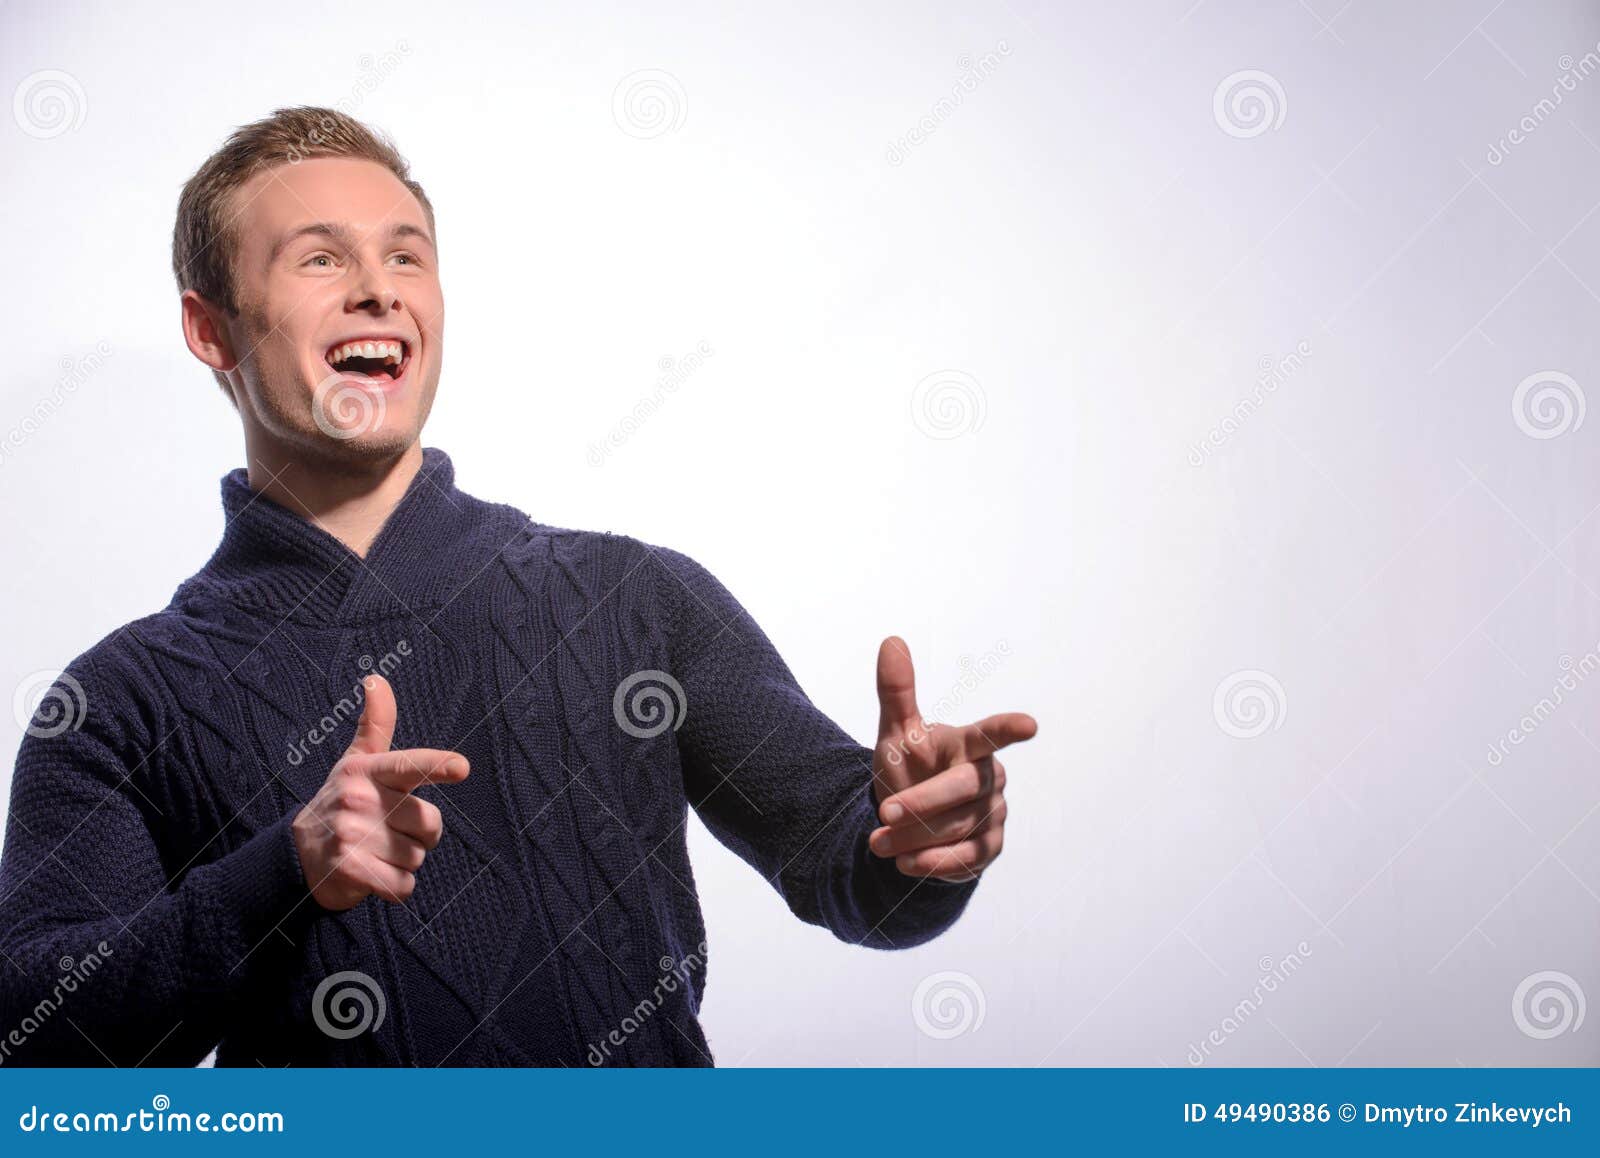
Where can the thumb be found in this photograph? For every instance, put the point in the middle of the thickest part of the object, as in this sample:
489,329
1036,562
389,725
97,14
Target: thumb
897,688
375,732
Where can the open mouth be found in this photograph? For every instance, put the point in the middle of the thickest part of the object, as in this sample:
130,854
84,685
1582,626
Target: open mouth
377,359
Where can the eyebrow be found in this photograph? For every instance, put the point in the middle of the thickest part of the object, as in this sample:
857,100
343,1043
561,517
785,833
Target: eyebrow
334,231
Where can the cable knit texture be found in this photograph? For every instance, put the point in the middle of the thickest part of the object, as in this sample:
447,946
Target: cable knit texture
153,906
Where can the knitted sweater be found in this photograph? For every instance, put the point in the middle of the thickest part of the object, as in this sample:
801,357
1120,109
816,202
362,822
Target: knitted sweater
152,903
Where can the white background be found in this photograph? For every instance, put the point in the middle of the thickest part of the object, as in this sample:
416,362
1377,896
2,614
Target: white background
1084,237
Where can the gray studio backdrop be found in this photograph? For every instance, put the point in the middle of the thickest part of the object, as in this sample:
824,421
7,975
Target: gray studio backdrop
1209,379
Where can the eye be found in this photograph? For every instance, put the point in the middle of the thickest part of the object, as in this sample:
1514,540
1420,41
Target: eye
409,258
327,257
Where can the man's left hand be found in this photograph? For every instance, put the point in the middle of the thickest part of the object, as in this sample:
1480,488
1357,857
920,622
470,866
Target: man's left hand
940,788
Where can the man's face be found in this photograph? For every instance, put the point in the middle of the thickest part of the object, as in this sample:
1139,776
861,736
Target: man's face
335,251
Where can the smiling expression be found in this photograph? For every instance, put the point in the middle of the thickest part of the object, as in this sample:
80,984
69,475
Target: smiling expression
339,338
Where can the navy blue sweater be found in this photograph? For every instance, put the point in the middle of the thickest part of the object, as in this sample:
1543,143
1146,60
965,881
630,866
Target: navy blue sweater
152,904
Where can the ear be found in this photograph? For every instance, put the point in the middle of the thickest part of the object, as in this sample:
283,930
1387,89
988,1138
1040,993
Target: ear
207,337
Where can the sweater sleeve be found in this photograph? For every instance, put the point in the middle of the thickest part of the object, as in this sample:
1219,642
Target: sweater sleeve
103,958
781,784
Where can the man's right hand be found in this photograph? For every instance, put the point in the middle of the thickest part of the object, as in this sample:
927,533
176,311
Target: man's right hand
363,832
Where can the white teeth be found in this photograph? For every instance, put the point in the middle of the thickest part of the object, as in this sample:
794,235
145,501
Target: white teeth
389,351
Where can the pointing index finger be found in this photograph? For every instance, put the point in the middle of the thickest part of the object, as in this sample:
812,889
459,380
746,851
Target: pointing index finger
992,733
411,768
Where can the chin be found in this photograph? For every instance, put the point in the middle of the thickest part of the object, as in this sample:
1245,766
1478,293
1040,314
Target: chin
369,446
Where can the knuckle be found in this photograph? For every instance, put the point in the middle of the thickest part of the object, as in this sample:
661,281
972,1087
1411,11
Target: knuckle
348,829
345,872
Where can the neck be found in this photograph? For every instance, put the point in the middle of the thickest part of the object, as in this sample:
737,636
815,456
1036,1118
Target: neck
348,499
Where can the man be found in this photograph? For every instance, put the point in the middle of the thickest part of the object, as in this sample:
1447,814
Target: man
401,776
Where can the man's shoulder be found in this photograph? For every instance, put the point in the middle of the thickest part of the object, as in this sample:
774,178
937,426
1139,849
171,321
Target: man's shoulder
111,685
614,555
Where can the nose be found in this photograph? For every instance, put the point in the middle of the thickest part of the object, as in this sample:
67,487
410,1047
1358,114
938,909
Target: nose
371,291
